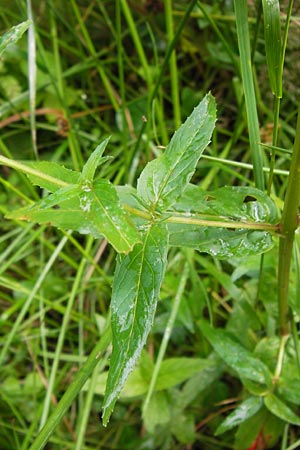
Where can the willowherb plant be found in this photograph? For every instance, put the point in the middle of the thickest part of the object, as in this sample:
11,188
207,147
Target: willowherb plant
164,210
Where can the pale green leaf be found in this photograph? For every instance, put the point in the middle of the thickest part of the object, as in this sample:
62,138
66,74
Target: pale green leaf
280,409
13,35
135,292
236,356
244,411
164,179
93,209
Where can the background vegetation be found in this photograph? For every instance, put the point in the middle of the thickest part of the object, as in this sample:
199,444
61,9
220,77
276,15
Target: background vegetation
134,71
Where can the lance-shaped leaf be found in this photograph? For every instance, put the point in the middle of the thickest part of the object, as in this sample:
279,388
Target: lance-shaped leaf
164,179
280,409
135,292
236,356
89,209
94,161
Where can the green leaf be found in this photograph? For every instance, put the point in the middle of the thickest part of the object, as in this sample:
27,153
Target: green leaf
238,203
135,293
183,427
280,409
13,35
164,179
93,209
272,29
244,411
289,389
171,371
51,175
157,412
237,357
170,375
89,169
220,242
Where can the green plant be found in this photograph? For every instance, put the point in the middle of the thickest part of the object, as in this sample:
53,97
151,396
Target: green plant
165,222
142,223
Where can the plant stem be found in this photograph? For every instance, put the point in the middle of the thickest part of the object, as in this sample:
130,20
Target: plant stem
197,219
288,225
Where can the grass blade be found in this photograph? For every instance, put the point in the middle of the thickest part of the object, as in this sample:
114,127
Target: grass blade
248,84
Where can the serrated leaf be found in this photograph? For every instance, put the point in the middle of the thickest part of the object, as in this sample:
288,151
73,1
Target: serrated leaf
135,292
93,209
13,35
272,29
280,409
51,174
236,356
164,179
244,411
